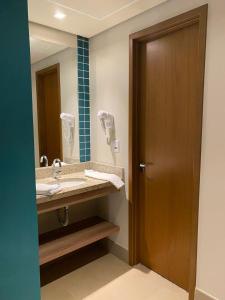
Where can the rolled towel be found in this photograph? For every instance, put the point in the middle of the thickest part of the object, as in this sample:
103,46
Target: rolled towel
114,179
47,189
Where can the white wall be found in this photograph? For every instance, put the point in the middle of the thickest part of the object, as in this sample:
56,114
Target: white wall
109,91
69,98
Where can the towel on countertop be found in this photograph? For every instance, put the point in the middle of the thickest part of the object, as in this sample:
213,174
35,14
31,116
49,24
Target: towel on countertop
47,189
114,179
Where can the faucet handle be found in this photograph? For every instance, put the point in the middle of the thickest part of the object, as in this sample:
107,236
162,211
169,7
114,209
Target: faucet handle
57,161
44,159
57,169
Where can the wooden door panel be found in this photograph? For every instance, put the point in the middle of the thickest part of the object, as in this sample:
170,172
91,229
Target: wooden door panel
170,137
52,116
163,200
49,109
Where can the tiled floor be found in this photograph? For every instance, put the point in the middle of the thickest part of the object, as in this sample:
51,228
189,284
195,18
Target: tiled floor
108,278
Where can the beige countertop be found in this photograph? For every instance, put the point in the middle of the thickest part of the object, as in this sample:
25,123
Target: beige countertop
90,184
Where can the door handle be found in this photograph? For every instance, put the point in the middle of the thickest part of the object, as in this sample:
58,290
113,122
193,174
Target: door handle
142,166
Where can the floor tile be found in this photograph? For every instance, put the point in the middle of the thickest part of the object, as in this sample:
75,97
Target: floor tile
109,278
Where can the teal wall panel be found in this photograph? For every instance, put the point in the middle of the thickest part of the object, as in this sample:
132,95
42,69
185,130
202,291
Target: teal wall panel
19,270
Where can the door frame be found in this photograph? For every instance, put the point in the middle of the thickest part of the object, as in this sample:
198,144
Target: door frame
198,15
39,75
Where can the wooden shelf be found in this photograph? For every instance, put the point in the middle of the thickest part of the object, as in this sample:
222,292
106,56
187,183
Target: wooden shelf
66,240
66,264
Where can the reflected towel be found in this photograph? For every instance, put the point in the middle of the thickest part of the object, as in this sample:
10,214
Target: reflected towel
47,189
114,179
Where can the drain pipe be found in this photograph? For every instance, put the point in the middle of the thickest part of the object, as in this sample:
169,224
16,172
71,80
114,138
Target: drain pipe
63,220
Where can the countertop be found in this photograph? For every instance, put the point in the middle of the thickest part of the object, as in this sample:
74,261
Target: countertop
90,184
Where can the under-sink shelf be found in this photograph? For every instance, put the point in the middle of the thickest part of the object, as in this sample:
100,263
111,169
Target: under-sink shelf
53,204
65,240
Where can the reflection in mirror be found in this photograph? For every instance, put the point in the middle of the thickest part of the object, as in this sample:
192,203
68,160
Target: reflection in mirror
55,104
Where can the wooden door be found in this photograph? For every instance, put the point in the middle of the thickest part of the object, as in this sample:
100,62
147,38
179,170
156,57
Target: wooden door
169,72
49,109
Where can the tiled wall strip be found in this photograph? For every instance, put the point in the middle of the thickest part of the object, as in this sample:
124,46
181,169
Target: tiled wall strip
83,98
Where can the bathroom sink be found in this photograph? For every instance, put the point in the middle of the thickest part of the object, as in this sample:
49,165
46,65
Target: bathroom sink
70,182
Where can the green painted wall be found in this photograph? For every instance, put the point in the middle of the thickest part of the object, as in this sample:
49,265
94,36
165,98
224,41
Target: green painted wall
19,271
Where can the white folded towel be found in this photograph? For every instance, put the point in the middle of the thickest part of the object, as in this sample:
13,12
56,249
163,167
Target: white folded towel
114,179
47,189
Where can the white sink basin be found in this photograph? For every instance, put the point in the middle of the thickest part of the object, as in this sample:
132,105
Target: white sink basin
70,182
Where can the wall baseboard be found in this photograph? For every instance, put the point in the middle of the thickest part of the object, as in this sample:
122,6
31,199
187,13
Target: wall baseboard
200,295
117,250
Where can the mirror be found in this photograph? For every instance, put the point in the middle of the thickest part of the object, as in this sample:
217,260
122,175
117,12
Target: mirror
55,96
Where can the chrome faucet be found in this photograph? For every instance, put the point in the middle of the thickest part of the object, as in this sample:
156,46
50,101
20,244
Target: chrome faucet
56,168
44,160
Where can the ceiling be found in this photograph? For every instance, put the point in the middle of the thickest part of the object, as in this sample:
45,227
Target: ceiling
87,17
41,49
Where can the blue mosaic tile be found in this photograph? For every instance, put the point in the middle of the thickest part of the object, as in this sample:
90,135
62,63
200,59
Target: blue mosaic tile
80,73
87,131
80,51
82,140
82,103
82,89
85,52
86,74
80,82
81,131
82,146
86,89
81,110
87,110
82,152
87,139
86,67
80,42
86,81
88,152
87,121
85,59
81,118
87,118
83,97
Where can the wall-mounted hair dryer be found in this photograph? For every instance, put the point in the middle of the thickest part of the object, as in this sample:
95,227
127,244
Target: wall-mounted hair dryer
107,122
68,120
